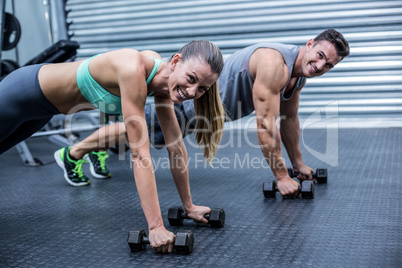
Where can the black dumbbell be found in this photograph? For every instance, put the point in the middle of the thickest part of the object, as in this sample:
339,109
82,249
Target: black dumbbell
183,243
320,174
306,189
216,218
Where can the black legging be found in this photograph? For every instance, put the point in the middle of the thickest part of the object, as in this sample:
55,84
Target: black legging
24,108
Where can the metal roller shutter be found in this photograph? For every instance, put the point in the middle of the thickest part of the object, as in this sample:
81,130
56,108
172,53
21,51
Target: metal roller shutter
367,84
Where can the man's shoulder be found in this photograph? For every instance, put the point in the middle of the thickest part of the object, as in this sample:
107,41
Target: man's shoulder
276,51
268,59
269,68
268,53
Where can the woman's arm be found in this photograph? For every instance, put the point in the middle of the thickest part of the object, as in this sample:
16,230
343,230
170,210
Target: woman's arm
178,157
133,90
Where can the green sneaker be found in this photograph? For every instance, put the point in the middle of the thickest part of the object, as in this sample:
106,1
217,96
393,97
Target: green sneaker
72,169
97,164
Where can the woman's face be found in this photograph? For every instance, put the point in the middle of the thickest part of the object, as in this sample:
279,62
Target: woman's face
190,79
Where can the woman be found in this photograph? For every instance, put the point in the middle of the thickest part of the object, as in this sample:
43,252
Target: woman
120,81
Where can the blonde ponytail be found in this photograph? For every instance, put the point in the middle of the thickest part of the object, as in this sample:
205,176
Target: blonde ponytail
208,108
210,119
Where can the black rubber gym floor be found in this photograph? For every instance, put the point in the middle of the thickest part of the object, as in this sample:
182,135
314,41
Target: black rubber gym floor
353,221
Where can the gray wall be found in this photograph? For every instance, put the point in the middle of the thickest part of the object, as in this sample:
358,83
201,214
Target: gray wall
368,84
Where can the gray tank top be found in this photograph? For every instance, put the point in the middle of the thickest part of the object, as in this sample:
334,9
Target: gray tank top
236,82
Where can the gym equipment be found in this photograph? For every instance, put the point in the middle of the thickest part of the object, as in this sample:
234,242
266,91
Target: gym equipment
62,51
11,31
270,188
183,244
7,67
216,218
321,174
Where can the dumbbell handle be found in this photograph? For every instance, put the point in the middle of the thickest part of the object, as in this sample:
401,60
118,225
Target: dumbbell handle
269,191
185,216
190,241
295,174
277,190
145,240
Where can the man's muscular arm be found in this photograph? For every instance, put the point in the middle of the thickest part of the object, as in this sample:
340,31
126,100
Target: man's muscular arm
271,75
290,134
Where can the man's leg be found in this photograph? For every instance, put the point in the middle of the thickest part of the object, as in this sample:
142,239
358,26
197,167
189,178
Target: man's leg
154,130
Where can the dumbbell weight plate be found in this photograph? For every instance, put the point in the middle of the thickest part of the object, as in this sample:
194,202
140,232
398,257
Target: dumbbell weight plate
217,217
184,242
11,31
307,189
321,175
269,189
174,216
135,240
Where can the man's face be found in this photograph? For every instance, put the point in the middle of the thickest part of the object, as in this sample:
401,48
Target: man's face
320,57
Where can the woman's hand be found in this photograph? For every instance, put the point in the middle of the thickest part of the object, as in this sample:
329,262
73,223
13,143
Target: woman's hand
197,213
161,240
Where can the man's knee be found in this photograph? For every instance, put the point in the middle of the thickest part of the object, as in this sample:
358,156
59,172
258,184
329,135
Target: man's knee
154,130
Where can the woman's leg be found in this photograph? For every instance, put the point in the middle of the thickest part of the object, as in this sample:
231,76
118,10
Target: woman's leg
102,139
24,131
24,108
70,159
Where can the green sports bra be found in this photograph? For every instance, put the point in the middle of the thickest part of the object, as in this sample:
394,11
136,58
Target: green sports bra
97,95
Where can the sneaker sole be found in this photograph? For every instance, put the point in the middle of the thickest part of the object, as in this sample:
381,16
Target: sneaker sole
92,169
60,163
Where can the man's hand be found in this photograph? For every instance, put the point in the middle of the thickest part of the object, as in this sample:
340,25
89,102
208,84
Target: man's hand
305,172
288,187
197,213
161,240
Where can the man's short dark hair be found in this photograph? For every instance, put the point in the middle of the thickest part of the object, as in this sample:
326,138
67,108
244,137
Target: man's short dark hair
337,39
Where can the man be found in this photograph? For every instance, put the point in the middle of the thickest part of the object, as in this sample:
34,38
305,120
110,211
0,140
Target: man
268,78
